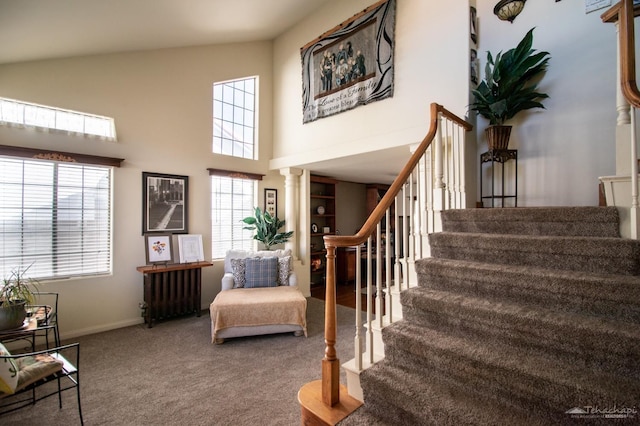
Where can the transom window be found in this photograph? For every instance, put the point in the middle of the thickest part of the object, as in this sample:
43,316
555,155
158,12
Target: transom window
232,199
20,113
234,108
55,218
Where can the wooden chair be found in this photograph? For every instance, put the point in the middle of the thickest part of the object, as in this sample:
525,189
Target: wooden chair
27,378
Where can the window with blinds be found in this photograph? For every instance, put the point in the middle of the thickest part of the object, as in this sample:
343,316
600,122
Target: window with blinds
55,218
232,199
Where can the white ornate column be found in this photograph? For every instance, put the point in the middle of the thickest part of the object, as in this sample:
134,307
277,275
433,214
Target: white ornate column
292,203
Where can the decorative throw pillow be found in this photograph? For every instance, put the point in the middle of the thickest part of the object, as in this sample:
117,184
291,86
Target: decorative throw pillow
284,268
8,372
261,272
234,254
34,368
238,270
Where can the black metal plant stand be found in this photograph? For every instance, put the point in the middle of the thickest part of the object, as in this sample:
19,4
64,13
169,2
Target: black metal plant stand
500,156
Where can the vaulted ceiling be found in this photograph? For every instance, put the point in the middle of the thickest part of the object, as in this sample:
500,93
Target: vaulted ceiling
45,29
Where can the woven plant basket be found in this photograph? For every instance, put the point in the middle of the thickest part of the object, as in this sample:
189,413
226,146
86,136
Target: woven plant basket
498,137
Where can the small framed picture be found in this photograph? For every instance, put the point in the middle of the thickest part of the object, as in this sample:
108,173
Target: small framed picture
475,65
158,248
190,248
473,21
271,201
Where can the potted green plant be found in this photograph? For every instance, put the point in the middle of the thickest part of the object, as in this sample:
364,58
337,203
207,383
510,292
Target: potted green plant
16,292
267,228
509,87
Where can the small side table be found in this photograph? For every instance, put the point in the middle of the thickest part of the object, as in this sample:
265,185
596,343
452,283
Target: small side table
500,156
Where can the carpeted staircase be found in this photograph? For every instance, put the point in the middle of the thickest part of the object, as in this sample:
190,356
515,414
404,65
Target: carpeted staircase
523,316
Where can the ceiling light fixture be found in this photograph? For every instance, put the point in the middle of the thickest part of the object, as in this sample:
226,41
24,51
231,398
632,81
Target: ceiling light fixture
507,10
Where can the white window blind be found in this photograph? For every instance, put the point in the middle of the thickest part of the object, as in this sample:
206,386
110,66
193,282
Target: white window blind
26,114
232,199
55,218
234,118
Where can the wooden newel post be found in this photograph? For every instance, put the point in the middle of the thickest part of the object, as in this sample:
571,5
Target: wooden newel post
330,362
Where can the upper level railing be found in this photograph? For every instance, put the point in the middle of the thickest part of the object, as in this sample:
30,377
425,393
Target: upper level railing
623,15
395,236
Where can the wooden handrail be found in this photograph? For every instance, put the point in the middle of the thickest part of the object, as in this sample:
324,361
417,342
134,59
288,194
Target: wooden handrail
611,15
369,226
625,13
330,362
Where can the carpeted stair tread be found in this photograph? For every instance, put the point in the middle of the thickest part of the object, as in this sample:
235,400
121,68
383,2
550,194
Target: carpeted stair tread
513,373
395,397
607,295
587,254
597,343
561,221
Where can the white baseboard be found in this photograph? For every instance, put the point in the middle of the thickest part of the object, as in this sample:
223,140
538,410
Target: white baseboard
100,328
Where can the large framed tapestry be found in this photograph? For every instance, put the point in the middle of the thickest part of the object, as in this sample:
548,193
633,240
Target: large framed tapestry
349,65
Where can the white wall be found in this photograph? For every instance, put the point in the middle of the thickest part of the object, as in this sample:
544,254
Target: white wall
161,101
431,61
431,64
351,207
564,148
162,104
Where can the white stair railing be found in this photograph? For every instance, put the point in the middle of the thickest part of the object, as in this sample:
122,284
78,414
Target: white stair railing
385,258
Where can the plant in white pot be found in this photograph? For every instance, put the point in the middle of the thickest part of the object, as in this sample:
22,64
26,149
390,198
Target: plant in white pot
510,86
16,292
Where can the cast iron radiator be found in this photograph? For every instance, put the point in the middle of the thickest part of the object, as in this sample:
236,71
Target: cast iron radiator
171,290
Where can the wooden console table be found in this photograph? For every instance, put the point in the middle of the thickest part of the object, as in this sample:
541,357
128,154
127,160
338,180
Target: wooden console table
172,290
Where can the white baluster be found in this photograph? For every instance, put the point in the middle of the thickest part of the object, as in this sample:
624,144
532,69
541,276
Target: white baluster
358,338
634,178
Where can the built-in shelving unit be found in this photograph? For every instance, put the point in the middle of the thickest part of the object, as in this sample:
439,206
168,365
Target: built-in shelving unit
323,222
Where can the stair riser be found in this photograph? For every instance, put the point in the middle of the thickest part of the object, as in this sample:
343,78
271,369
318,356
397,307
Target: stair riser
605,298
537,411
533,412
612,257
384,401
567,221
511,386
525,228
399,401
594,353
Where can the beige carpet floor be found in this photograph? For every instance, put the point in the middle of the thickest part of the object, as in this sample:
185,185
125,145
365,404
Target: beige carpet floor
172,375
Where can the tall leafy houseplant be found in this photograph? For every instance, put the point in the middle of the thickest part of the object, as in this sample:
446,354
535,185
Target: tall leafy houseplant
16,292
267,228
509,86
